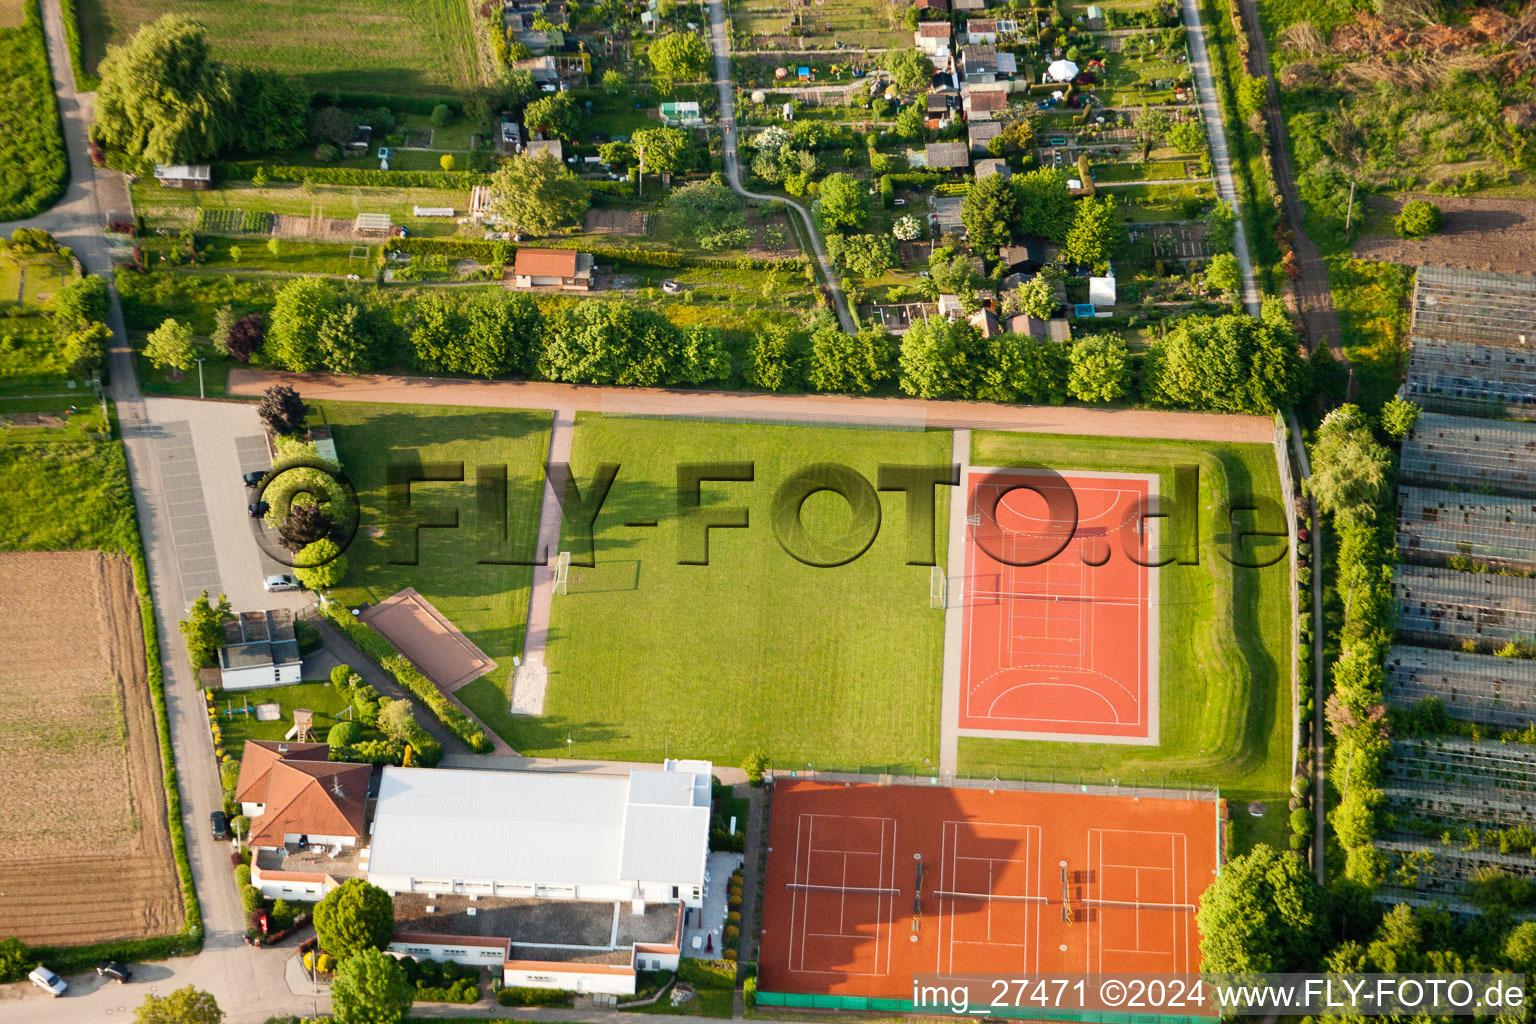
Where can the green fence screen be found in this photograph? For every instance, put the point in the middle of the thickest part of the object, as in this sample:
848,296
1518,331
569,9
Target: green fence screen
829,1002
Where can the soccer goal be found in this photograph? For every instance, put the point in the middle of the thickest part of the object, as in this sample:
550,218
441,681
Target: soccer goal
562,572
938,588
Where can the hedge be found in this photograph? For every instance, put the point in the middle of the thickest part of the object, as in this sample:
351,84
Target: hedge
84,81
482,249
407,104
533,997
707,973
458,993
409,676
353,176
34,166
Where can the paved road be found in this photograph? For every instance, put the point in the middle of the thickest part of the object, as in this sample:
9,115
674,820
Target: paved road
720,32
1314,299
825,410
1221,159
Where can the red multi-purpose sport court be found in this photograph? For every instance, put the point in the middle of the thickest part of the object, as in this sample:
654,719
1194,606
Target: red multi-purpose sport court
868,885
1060,617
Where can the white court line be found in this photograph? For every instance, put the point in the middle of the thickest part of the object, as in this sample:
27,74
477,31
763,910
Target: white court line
884,904
950,858
1177,918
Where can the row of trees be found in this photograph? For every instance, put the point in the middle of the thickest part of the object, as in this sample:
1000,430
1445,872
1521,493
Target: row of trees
1229,363
165,99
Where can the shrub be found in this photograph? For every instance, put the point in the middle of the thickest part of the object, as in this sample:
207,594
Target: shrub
442,115
706,973
15,960
1418,218
250,898
342,734
341,675
533,997
243,876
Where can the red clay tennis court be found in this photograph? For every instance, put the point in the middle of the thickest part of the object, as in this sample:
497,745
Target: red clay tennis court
1060,621
868,885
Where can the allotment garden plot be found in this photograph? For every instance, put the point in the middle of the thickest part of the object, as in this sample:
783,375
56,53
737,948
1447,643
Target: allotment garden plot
84,851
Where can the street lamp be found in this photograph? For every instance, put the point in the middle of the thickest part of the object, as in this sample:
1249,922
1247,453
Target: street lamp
199,361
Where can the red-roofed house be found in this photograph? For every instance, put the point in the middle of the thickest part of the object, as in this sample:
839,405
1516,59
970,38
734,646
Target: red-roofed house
308,818
256,763
565,269
932,37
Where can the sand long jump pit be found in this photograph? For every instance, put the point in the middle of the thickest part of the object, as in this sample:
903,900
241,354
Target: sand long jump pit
84,851
428,638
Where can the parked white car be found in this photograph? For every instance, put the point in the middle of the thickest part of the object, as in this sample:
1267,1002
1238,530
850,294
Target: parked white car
49,982
275,584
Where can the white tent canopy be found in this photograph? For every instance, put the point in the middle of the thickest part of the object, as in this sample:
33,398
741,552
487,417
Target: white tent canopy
1062,70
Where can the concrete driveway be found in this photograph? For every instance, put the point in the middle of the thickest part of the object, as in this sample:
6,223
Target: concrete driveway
202,449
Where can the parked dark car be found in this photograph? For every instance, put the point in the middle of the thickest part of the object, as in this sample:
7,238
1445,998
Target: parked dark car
114,970
257,509
253,478
219,825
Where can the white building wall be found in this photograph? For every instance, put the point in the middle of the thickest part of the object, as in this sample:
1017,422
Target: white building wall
258,676
650,892
315,839
287,888
461,953
513,976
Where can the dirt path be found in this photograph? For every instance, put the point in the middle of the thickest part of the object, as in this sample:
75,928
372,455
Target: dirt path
810,410
1314,299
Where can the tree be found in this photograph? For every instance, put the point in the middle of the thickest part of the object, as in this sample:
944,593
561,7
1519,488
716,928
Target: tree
1094,235
223,323
1520,948
163,98
442,116
856,363
203,629
79,303
1034,297
1398,416
370,988
755,765
169,346
245,337
613,82
305,524
320,565
1418,218
869,255
183,1006
534,195
554,115
331,126
1351,472
841,203
703,355
348,338
1045,205
397,719
1264,913
282,410
85,349
617,154
1230,363
1018,134
660,149
1101,369
353,917
990,213
343,734
1224,275
707,208
445,161
910,68
613,343
907,228
677,57
273,111
293,334
1152,125
1187,136
774,357
15,960
909,123
941,359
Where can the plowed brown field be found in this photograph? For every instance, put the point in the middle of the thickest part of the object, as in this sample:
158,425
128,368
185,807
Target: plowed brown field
84,851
